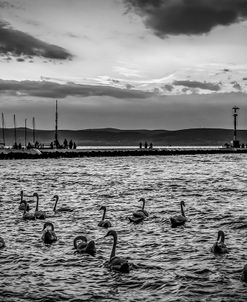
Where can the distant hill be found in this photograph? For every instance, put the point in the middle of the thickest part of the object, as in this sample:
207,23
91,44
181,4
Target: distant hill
117,137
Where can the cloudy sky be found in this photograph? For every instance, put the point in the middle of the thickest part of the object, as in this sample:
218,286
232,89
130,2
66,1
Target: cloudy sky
154,64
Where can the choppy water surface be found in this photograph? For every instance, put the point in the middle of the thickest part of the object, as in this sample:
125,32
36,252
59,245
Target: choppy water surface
168,264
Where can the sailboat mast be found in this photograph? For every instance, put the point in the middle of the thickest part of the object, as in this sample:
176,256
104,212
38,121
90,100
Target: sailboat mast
56,136
25,132
15,129
33,131
3,129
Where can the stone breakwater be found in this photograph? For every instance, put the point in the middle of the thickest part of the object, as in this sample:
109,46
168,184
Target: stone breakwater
59,153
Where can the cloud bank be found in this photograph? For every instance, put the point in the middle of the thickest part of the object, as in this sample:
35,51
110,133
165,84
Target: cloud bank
18,43
54,90
189,17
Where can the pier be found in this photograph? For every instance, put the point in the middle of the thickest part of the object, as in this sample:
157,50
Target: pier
93,152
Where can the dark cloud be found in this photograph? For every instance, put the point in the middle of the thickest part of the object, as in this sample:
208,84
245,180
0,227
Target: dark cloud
168,87
196,84
236,85
55,90
174,17
18,43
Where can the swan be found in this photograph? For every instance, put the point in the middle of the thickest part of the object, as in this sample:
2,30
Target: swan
38,214
63,209
23,205
2,243
27,215
82,246
49,235
117,263
219,247
141,213
179,219
104,223
244,274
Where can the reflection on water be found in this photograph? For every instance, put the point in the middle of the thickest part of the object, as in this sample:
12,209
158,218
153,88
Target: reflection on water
168,264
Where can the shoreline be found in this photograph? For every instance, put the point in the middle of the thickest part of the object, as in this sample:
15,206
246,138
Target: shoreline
60,153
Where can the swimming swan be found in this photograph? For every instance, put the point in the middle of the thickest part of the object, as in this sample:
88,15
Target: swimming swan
104,223
2,243
219,247
38,214
63,209
139,215
142,212
82,246
117,263
22,203
27,215
49,235
179,219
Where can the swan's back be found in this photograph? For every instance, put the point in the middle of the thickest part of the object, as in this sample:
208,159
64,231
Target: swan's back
177,220
119,264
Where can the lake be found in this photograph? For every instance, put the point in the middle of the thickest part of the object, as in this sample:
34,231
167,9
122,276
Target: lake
167,264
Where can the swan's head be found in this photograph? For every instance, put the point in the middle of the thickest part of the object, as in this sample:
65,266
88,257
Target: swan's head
22,193
35,195
111,233
102,208
55,197
182,203
48,224
142,199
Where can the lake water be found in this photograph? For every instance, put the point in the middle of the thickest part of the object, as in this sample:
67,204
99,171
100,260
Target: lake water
168,264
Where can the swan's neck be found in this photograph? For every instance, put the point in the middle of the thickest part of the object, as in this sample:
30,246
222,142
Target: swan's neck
103,217
25,209
182,209
222,238
143,204
55,206
37,203
113,252
21,196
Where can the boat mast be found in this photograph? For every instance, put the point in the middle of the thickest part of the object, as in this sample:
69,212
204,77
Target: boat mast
56,136
25,132
33,131
15,130
3,129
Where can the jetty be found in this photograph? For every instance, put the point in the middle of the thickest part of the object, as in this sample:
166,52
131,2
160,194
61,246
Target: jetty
102,152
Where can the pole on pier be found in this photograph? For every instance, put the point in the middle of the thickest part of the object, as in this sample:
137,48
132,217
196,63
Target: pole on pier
3,129
25,132
56,135
33,131
235,142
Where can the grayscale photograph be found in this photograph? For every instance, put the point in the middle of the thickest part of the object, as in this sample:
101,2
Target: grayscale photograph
123,150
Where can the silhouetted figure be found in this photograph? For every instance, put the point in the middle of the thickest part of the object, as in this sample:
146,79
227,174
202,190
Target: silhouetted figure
29,146
70,144
19,146
140,145
151,146
36,145
65,144
145,145
15,146
74,145
51,145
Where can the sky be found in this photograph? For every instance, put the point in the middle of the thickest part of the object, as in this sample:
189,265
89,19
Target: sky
128,64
